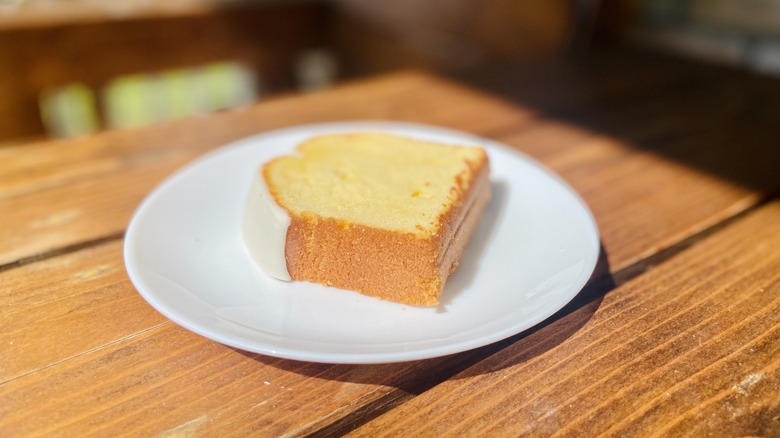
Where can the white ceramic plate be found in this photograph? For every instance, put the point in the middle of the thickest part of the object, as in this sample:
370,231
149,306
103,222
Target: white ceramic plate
536,246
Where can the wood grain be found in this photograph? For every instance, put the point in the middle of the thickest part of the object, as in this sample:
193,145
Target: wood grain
689,348
77,303
576,152
152,383
82,352
87,316
101,360
642,202
81,190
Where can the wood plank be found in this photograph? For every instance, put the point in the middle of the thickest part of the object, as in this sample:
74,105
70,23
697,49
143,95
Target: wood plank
150,382
642,202
75,303
82,351
74,191
654,103
83,335
69,317
561,145
30,166
581,88
577,153
148,385
407,96
676,146
691,347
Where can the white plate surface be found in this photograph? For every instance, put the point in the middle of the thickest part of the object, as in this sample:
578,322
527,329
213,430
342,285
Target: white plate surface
536,246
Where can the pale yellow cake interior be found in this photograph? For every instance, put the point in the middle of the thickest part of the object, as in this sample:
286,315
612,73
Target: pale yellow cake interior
377,180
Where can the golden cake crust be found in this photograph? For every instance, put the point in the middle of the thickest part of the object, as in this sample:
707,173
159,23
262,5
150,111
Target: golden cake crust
404,267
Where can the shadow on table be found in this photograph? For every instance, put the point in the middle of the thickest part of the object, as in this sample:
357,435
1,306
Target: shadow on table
721,121
407,379
418,376
553,331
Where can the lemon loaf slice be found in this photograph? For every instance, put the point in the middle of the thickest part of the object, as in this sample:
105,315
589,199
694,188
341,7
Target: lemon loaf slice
379,214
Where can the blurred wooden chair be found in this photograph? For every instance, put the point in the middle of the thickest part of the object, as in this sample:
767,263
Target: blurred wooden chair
91,53
79,48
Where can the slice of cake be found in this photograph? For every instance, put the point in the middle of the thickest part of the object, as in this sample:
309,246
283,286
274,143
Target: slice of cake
379,214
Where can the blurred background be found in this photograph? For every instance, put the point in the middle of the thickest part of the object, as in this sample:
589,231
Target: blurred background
75,67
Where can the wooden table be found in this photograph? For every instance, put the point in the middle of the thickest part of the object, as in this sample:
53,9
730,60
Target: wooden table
677,333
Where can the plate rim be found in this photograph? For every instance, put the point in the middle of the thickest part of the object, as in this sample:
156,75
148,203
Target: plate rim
235,341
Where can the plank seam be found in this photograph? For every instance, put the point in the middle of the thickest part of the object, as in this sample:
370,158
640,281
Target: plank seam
61,251
89,351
